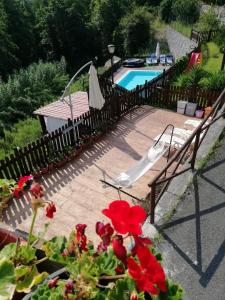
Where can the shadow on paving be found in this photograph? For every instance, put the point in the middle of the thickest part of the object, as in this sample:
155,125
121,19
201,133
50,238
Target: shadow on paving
194,244
20,210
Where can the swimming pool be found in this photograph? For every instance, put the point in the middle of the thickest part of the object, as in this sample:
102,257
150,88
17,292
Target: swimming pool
137,77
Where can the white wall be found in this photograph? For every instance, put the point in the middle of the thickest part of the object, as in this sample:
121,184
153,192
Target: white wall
54,123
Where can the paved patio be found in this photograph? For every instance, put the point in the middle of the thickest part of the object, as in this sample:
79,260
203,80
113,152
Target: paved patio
76,189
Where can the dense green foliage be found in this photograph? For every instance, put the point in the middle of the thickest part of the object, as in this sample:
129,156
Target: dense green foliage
200,77
30,88
208,21
181,10
134,31
212,57
20,135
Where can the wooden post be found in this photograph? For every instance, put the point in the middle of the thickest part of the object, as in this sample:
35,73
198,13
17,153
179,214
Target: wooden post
152,204
196,145
72,137
43,124
223,60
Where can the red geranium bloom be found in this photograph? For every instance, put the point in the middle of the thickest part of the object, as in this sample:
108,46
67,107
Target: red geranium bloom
52,283
50,210
125,218
20,185
140,242
118,248
105,232
37,190
81,237
149,274
134,296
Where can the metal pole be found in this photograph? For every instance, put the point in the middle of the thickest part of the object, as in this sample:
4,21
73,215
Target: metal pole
112,68
71,113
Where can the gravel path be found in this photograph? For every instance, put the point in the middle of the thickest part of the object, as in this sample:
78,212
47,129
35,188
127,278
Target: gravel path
179,44
193,241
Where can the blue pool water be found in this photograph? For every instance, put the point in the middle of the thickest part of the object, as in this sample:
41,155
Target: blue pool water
133,78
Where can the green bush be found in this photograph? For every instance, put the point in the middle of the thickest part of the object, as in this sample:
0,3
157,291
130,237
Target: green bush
186,11
30,88
208,21
133,32
20,135
165,10
192,78
215,81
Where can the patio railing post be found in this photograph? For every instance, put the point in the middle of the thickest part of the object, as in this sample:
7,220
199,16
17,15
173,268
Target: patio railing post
195,150
152,203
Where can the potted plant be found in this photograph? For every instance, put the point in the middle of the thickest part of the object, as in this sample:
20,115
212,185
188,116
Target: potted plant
109,271
199,112
6,192
60,159
19,261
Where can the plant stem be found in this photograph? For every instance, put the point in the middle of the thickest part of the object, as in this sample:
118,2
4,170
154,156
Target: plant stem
41,260
32,226
112,277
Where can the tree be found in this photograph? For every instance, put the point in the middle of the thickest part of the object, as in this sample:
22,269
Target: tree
165,10
20,27
186,11
134,31
208,21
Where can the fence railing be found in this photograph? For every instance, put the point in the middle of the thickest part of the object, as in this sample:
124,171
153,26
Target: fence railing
190,148
202,36
167,96
35,156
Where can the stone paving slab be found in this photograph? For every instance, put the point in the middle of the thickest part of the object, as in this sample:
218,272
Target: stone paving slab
76,189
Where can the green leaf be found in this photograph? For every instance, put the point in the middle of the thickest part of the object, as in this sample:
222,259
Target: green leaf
8,251
7,279
26,254
30,279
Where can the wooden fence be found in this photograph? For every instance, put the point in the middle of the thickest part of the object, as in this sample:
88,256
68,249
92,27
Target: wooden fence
167,96
202,36
35,156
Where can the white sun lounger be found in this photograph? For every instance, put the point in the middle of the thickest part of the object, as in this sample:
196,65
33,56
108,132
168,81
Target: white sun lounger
134,173
194,123
176,141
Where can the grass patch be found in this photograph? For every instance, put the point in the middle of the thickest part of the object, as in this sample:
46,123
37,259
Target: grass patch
184,29
20,135
212,57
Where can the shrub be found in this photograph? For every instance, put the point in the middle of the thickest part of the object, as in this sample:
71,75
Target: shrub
29,88
165,10
134,30
215,81
186,11
20,135
208,21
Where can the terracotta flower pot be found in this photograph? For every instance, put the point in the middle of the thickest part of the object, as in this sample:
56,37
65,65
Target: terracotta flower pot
37,174
7,237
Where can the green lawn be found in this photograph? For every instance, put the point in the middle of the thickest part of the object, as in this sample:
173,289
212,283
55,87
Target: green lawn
184,29
212,57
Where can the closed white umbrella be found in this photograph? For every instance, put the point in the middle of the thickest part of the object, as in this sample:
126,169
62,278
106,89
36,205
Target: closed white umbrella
96,99
157,50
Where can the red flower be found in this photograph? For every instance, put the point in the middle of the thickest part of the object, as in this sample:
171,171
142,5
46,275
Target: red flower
37,190
118,248
105,232
50,210
134,296
20,185
119,269
52,283
149,274
81,237
140,242
125,219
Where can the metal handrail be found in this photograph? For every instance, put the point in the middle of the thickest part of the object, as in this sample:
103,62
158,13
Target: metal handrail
203,127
